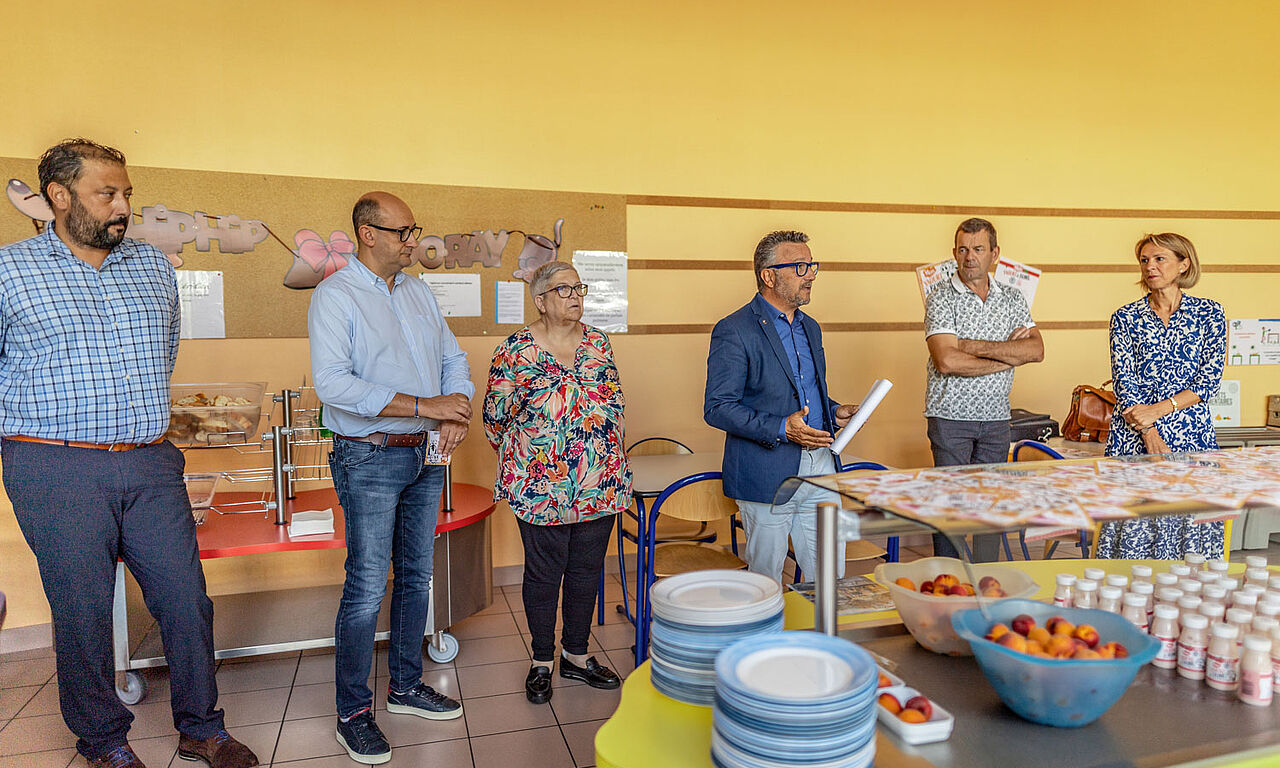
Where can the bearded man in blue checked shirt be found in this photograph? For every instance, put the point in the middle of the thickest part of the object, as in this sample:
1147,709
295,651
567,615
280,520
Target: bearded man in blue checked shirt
88,339
388,370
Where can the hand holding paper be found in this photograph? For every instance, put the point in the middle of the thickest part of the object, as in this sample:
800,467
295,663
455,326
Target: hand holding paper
872,399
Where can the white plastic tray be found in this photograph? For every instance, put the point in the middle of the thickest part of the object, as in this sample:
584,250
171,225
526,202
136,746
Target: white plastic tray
936,728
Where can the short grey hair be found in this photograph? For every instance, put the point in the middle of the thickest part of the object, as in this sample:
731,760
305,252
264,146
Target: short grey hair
767,250
540,282
974,226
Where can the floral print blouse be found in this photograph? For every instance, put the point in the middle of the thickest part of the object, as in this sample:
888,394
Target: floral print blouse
557,430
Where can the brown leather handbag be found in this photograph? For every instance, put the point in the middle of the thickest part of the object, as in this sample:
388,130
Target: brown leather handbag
1090,417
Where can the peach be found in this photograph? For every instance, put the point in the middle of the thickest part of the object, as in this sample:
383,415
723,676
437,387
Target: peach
1053,622
961,590
1022,624
941,591
1106,651
1086,653
1060,646
926,586
1035,648
890,703
920,704
1013,641
912,716
945,580
1063,627
1088,634
988,582
884,681
1116,650
994,592
997,630
1040,635
905,583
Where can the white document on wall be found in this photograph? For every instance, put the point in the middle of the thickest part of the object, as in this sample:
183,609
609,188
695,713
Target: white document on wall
1225,406
457,293
1022,278
200,301
508,301
1253,342
930,275
872,399
605,272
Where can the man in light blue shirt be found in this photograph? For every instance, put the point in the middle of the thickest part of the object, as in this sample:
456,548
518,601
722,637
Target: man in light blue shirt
388,370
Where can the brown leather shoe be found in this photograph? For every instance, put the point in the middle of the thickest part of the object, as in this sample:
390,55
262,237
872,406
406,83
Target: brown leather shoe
218,751
120,757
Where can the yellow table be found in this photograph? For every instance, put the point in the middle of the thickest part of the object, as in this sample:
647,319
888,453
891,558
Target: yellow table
649,729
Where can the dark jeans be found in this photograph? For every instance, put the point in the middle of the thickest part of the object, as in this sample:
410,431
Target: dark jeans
81,510
390,500
562,554
968,442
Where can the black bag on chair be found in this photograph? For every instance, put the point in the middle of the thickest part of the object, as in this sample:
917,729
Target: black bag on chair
1025,425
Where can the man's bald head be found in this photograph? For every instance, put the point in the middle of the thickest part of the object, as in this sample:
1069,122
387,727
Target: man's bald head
371,208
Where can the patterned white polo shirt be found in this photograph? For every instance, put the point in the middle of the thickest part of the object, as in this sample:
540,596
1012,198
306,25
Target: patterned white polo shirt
954,308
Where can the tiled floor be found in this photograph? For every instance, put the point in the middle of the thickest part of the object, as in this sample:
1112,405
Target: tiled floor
282,706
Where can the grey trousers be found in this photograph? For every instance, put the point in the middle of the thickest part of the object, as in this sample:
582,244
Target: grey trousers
968,442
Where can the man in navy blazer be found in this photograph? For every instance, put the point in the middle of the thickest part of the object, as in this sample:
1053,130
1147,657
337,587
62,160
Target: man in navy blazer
767,389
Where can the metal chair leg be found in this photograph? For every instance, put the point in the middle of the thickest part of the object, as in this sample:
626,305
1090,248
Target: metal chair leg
1008,553
600,598
891,549
1022,542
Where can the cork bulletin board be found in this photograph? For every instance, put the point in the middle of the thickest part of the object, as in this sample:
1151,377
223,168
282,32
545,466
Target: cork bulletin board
262,231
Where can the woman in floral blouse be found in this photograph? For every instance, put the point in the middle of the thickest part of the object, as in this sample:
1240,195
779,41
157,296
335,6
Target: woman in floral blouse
553,412
1167,354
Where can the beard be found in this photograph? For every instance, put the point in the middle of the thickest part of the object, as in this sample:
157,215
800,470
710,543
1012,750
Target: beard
87,231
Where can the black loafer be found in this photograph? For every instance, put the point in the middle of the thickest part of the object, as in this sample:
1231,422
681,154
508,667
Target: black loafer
537,686
593,674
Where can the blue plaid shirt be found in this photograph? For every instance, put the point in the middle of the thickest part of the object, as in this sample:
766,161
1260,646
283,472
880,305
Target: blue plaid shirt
86,354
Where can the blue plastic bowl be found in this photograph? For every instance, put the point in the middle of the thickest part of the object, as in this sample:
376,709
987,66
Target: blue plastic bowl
1060,692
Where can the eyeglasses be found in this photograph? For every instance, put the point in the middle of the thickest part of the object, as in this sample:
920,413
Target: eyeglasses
565,291
802,267
404,232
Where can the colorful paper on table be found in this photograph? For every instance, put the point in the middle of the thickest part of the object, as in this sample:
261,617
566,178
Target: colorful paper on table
854,594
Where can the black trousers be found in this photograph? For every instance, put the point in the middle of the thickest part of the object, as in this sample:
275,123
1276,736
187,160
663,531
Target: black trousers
81,510
562,558
968,442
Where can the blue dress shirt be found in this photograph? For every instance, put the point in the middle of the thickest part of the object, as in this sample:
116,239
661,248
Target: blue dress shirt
369,342
86,354
804,372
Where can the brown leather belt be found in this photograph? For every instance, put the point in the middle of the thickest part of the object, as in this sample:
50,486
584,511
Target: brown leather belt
411,440
78,444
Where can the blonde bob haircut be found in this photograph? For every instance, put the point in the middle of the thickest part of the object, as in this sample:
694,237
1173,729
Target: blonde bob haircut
1181,247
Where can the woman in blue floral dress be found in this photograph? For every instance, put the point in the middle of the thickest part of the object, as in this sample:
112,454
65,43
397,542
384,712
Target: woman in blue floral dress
554,413
1167,354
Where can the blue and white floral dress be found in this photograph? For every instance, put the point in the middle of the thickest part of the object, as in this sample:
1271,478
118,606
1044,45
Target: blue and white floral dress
1151,362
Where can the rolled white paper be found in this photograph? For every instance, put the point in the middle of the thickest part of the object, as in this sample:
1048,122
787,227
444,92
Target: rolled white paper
872,399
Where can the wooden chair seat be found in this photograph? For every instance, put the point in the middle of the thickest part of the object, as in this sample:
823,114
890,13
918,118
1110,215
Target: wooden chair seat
673,559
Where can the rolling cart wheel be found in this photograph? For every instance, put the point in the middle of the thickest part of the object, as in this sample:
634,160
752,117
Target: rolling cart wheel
134,690
445,651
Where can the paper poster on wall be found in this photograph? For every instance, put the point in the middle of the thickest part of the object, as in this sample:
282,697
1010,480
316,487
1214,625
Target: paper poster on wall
508,300
1253,342
1019,277
930,275
1225,406
200,299
605,305
458,294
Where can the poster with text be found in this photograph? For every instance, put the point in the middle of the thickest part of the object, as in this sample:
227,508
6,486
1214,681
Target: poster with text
200,300
930,275
1020,277
1253,342
1225,406
605,273
458,294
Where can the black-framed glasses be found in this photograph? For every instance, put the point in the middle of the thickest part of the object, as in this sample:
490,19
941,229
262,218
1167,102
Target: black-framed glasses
565,291
404,232
802,267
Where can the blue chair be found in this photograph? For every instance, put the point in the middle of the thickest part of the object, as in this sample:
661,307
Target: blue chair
1034,450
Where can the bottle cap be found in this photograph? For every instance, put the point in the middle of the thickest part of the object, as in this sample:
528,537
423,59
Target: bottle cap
1256,589
1212,610
1169,594
1141,571
1066,579
1274,584
1194,621
1166,579
1097,574
1117,580
1189,603
1217,566
1265,625
1256,642
1207,577
1086,585
1255,561
1219,629
1109,592
1181,570
1258,574
1144,588
1240,616
1133,598
1214,592
1166,611
1267,608
1230,584
1190,586
1194,558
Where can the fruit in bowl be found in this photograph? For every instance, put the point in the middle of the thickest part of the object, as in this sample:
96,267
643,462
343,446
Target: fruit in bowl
1057,639
916,709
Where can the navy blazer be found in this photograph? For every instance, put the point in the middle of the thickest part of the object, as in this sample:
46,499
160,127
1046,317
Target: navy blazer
750,391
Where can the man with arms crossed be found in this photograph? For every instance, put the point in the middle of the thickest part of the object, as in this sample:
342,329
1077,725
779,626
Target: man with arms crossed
978,331
388,370
767,389
88,338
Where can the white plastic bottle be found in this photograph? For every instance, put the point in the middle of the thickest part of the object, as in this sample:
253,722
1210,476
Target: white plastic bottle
1218,566
1188,604
1168,596
1258,576
1245,600
1222,661
1190,586
1165,629
1194,561
1193,646
1256,678
1096,574
1264,625
1147,590
1064,595
1165,580
1231,584
1214,593
1086,593
1140,572
1181,570
1117,580
1242,620
1212,611
1109,598
1135,610
1255,561
1206,577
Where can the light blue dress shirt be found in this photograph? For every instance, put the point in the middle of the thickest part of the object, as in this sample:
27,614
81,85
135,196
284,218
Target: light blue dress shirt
86,354
368,343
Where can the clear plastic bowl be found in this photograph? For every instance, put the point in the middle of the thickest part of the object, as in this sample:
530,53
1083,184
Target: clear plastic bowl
205,425
1065,693
928,618
200,490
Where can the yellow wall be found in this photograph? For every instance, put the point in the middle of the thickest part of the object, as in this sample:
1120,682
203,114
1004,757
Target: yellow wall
1115,105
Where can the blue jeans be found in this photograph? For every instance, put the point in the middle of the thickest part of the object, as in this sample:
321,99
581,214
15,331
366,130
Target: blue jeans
391,501
768,527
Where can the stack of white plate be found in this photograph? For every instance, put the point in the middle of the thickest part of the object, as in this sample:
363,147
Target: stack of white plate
794,699
698,614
